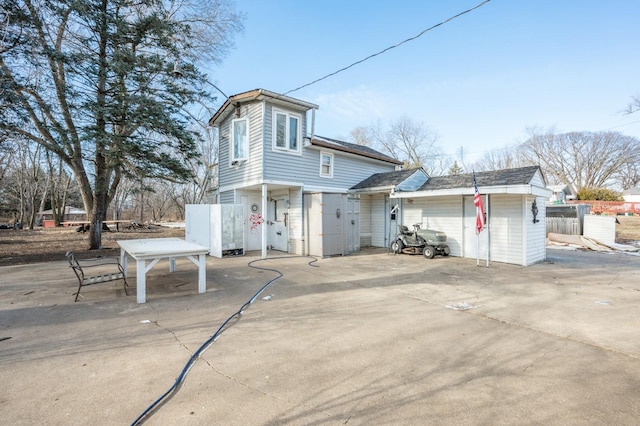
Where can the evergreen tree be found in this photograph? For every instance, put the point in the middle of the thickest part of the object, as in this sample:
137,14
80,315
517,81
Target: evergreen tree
92,82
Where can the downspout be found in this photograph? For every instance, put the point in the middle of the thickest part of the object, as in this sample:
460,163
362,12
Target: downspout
313,123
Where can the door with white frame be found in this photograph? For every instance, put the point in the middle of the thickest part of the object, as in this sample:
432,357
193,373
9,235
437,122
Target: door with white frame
254,221
475,246
279,222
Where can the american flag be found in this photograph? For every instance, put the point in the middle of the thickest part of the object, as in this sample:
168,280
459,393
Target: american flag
477,200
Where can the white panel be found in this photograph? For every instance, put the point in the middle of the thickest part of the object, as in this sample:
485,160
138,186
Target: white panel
198,224
475,245
600,228
506,230
378,220
365,221
219,227
438,213
536,233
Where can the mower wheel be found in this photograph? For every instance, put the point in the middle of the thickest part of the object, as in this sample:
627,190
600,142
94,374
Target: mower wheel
429,252
446,251
397,246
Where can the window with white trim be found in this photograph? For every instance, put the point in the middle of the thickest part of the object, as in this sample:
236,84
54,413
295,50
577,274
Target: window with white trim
326,164
239,140
287,132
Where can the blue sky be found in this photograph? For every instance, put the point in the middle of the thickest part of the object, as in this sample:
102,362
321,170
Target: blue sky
479,81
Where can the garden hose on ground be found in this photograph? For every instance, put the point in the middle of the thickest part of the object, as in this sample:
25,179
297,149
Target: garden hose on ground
158,403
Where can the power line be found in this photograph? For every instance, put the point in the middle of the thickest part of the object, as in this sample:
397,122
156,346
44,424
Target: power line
391,47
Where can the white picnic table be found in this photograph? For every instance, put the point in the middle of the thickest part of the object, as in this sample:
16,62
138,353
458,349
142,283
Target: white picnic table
155,249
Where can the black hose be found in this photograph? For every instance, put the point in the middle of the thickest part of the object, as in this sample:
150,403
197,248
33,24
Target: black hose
158,403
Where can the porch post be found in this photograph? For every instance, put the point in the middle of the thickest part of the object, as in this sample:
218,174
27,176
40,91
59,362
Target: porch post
266,218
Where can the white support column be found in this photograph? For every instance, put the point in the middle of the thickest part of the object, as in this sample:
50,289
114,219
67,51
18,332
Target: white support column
266,218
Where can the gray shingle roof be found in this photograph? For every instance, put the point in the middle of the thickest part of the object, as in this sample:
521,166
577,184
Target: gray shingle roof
383,180
352,148
518,176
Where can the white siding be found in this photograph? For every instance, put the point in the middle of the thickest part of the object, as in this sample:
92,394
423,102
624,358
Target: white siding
252,169
506,228
296,236
348,170
365,221
227,197
439,213
536,238
537,180
378,221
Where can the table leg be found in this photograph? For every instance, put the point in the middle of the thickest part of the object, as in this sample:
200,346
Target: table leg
172,264
202,273
123,262
141,274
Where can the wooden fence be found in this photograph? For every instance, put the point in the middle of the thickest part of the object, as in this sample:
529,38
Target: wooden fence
563,225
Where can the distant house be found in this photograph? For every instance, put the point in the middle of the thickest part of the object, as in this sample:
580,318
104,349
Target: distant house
632,195
306,194
561,193
71,214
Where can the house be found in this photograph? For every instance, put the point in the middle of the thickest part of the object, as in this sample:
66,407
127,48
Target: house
71,214
293,184
306,194
631,195
514,201
561,193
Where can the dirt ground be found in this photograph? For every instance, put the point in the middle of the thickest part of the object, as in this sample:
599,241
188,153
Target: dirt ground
628,230
50,244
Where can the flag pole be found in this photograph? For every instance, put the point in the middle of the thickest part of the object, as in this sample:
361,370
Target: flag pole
488,233
477,201
477,249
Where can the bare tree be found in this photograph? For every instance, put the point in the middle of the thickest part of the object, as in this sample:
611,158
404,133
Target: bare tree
27,183
629,175
505,158
581,159
633,106
406,140
362,136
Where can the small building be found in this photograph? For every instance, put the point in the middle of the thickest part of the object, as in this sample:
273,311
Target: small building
71,214
514,201
631,195
561,193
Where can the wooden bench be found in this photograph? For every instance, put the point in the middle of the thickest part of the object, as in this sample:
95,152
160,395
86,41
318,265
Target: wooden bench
96,271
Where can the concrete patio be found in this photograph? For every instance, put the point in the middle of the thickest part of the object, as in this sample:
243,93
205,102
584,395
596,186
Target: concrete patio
360,340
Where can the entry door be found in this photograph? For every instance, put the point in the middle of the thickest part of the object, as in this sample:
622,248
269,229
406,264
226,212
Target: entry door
473,242
254,222
279,222
353,224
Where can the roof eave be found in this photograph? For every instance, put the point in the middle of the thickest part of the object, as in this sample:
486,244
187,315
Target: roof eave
257,95
525,189
335,147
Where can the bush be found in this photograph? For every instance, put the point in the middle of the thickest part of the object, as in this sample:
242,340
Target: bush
602,194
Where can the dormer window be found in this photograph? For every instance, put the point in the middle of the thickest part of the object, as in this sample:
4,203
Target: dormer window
240,138
287,132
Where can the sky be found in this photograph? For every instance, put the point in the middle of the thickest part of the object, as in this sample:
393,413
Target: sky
478,81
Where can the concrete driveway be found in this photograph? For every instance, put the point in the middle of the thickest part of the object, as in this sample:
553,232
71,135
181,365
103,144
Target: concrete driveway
371,339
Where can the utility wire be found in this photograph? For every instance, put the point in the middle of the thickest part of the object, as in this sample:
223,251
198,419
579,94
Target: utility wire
391,47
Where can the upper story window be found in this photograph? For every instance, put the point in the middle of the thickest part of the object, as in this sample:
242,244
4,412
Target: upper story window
239,140
287,132
326,164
